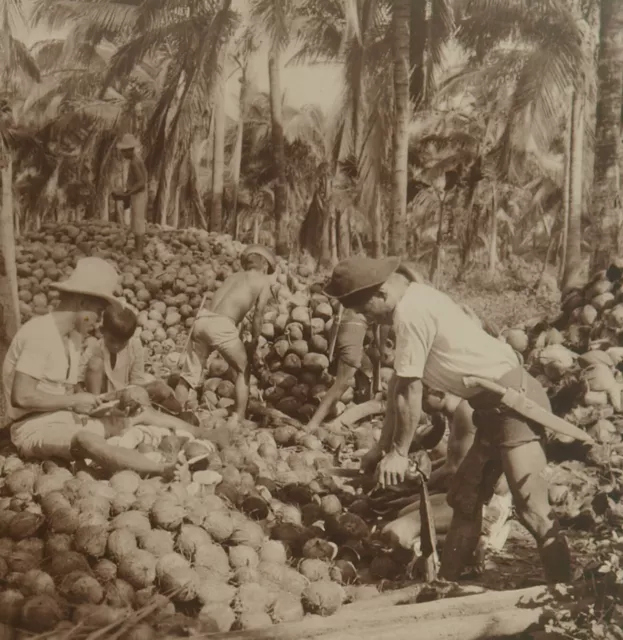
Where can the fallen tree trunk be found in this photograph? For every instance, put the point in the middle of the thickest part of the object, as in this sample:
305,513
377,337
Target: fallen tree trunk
491,614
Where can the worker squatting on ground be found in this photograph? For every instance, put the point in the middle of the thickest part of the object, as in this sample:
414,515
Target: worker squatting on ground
217,328
134,193
436,343
48,418
116,362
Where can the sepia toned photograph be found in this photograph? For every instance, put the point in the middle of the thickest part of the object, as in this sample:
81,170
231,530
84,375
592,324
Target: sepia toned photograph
311,319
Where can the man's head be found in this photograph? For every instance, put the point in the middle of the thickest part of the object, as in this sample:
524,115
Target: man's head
258,258
118,326
127,145
87,292
87,309
370,286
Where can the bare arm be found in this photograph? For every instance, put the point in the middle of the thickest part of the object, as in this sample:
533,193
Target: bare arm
408,399
344,374
25,395
258,316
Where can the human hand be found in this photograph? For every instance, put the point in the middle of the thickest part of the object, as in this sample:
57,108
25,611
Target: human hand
84,403
392,469
370,459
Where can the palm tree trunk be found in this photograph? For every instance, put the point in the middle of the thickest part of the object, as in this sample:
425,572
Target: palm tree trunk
566,192
493,233
237,160
573,244
163,198
435,265
9,301
417,52
606,209
400,26
218,164
377,228
343,234
279,154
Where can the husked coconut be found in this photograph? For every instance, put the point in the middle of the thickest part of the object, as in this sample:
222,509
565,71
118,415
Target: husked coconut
253,598
91,541
24,525
126,481
105,570
121,502
219,524
287,608
138,568
167,513
243,556
80,588
176,577
121,542
273,551
11,602
213,557
134,521
65,563
40,613
190,538
323,598
248,533
253,620
36,583
119,594
157,541
217,617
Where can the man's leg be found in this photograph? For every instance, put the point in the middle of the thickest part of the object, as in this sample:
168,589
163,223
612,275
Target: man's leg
139,244
404,531
86,444
523,467
235,355
95,376
466,498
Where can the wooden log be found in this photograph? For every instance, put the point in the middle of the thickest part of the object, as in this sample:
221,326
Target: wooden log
491,614
359,412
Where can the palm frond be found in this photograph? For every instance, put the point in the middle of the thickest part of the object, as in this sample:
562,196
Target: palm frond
275,17
106,16
20,59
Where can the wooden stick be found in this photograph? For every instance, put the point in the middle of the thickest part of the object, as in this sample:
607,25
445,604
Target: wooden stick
360,412
492,614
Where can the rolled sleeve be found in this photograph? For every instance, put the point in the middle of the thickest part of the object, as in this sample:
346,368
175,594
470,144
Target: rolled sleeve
137,362
414,340
32,360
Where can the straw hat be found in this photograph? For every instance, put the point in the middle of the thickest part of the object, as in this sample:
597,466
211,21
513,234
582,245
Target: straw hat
358,274
128,141
259,250
91,277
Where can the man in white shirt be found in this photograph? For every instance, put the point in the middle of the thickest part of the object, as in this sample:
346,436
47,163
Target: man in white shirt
438,344
40,372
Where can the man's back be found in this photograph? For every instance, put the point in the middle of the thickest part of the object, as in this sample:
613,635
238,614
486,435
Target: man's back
237,295
437,341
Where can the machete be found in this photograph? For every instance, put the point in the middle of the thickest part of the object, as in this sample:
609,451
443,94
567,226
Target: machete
529,409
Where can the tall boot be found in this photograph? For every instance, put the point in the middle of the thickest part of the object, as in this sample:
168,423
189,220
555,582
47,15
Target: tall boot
460,545
556,559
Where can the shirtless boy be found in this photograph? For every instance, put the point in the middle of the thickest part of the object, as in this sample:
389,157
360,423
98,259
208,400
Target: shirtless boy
217,327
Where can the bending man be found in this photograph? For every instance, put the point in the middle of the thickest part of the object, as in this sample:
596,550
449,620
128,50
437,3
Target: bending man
438,344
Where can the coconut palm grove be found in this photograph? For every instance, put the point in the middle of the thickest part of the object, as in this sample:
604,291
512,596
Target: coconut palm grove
202,201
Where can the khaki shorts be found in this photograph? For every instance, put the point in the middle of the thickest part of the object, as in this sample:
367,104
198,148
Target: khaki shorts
51,435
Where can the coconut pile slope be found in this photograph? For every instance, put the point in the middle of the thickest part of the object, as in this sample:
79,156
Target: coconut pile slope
166,290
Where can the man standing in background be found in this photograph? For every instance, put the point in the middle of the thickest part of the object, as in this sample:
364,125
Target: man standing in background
135,189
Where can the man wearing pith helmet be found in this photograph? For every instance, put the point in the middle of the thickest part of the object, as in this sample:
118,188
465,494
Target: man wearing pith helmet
47,418
134,192
438,344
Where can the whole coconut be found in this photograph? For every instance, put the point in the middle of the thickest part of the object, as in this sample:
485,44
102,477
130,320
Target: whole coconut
125,481
217,617
253,620
66,563
80,588
91,541
11,602
134,521
36,583
248,533
120,543
287,608
213,557
190,538
314,569
323,598
119,594
243,556
219,524
157,541
105,571
166,513
273,551
40,613
138,568
254,598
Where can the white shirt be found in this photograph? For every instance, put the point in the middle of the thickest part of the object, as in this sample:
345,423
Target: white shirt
439,343
39,350
129,368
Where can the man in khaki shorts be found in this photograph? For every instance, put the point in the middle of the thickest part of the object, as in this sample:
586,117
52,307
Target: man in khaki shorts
48,419
437,344
217,328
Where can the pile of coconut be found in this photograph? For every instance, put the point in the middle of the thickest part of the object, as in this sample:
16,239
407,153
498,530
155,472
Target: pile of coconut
180,271
578,355
259,535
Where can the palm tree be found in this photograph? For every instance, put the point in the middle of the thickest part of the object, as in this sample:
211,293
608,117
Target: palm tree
606,191
275,18
400,156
